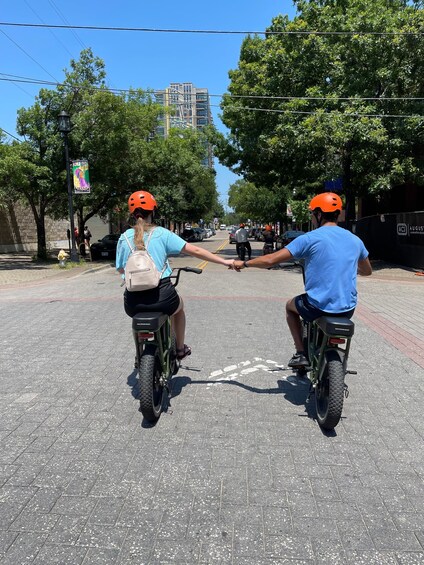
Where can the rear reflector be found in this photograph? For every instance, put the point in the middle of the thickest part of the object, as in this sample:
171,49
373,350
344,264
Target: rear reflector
335,340
142,335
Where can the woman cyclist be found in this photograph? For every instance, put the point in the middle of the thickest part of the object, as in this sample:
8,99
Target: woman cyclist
164,298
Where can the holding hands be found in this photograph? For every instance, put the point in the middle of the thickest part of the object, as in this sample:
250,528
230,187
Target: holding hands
234,265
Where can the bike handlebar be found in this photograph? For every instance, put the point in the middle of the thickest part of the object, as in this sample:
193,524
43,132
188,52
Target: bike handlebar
187,270
191,270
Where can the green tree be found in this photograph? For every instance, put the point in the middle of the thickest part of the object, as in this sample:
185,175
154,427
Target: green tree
260,204
334,98
172,169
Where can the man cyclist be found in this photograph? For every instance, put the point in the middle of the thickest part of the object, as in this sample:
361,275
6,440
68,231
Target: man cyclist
269,237
241,237
332,258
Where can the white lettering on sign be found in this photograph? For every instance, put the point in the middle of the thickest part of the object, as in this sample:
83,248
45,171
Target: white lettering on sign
402,229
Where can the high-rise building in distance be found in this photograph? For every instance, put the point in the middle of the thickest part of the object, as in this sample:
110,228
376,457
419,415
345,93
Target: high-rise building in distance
191,110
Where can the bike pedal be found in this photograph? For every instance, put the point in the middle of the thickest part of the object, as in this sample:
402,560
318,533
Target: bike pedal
351,372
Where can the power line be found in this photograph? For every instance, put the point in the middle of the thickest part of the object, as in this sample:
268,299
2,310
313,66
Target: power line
344,114
27,54
62,17
18,78
52,32
213,31
10,134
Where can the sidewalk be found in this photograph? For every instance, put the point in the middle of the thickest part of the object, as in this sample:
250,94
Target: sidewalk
19,268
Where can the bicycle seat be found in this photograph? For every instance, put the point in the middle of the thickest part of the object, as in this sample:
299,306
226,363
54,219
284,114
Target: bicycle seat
150,321
332,325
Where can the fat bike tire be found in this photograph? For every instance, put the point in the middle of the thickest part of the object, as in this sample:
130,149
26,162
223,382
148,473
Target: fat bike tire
150,389
329,392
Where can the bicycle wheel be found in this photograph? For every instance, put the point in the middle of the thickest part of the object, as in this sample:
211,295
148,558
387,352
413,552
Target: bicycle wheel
329,392
150,389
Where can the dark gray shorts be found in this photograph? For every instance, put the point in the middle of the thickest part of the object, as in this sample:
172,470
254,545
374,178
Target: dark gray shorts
164,299
310,313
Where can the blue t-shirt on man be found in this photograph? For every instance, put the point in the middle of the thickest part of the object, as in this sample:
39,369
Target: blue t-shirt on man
331,256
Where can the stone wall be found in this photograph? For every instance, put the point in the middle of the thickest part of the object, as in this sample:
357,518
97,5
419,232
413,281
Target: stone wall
18,231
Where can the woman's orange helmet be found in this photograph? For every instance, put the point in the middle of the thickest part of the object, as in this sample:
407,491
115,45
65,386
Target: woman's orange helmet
268,228
327,202
242,225
141,199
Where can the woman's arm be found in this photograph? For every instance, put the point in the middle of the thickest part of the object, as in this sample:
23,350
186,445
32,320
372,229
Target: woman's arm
200,253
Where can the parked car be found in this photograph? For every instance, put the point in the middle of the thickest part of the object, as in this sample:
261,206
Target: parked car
285,238
105,248
189,235
232,235
223,226
200,233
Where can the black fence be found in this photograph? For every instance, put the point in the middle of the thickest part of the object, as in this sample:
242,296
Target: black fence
398,238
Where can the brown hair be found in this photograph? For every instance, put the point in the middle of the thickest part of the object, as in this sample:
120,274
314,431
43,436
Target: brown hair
142,225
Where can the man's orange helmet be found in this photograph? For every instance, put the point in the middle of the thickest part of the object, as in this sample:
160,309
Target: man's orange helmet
327,202
141,199
242,225
268,228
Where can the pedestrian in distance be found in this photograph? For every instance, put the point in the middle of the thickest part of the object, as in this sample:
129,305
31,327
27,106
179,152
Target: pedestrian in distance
242,238
87,237
162,243
332,258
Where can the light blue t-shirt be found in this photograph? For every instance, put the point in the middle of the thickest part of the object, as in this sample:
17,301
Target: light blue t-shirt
162,244
331,256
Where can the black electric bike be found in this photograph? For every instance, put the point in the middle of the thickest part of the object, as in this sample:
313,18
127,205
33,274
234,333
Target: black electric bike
327,343
156,357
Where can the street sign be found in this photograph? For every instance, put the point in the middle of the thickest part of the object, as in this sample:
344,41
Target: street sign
334,185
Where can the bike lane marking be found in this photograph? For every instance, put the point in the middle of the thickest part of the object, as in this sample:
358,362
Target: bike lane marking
258,364
402,340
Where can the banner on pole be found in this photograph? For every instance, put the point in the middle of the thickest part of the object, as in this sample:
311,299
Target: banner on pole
81,177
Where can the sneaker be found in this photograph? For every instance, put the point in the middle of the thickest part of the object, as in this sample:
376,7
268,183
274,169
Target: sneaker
298,360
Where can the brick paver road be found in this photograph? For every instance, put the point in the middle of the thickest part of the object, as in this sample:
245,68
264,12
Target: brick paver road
237,471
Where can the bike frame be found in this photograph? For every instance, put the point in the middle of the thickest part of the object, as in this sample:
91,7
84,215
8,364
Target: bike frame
319,342
162,340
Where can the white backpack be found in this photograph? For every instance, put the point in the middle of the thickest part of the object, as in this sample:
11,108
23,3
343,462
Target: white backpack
140,271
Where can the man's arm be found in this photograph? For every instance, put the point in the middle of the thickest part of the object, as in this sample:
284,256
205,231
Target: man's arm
266,261
364,267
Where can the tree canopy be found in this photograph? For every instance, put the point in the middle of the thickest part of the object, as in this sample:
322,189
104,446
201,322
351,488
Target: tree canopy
318,98
116,134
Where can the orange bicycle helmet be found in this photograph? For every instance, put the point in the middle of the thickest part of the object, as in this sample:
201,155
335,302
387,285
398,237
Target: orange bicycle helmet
242,225
326,202
268,228
141,199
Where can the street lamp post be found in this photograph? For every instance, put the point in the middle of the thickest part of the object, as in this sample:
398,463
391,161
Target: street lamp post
65,127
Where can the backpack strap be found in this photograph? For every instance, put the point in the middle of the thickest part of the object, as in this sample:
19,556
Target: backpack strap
128,241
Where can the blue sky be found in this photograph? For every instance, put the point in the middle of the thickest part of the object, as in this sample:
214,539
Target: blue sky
143,60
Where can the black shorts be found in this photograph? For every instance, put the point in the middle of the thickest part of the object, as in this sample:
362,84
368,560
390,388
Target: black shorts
310,313
164,298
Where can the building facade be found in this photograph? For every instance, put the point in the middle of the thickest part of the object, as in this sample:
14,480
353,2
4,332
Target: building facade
191,109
